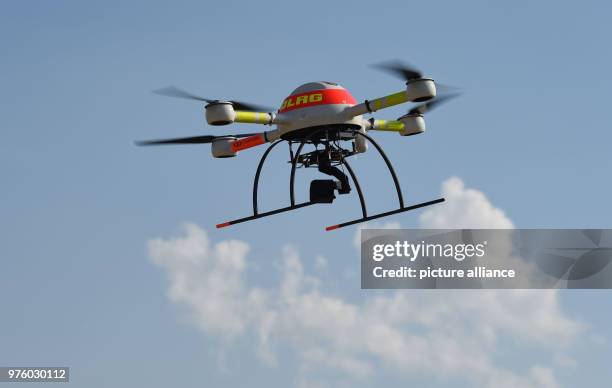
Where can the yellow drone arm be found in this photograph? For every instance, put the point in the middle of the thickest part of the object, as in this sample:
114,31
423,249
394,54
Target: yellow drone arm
407,125
386,125
369,106
417,90
254,117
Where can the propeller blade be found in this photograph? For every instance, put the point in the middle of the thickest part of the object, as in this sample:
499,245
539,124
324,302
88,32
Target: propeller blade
178,140
248,107
189,140
447,89
427,106
173,91
400,69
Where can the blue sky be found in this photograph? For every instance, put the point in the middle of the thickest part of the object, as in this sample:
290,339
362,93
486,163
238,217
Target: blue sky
80,201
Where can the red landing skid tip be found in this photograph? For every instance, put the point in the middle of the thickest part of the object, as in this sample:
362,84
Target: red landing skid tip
380,215
223,225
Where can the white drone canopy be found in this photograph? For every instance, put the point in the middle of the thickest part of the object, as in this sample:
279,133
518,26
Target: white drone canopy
315,104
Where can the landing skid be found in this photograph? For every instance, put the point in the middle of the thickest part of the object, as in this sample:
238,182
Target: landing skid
262,215
333,227
380,215
295,159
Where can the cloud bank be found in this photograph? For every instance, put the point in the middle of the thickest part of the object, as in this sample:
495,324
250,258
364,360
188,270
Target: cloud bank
442,334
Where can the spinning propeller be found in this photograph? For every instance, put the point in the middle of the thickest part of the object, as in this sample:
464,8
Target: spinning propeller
190,140
173,91
409,73
400,70
429,105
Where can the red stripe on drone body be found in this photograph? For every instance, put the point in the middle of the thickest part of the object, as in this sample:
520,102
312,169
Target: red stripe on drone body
317,97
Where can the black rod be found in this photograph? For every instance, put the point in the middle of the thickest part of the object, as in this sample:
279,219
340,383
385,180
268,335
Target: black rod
265,214
389,166
380,215
259,167
292,178
357,186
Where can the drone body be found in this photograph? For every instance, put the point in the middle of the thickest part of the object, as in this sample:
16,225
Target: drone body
319,114
316,105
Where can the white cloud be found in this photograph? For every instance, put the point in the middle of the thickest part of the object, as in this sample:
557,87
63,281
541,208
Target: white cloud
372,225
435,333
464,208
320,263
208,280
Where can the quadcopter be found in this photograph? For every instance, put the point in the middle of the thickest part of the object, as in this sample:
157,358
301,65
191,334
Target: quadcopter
323,115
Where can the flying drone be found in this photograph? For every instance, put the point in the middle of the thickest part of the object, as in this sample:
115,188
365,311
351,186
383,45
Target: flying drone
323,115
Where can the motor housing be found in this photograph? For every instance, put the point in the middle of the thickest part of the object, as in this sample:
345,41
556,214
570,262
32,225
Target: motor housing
222,147
414,123
220,113
420,89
